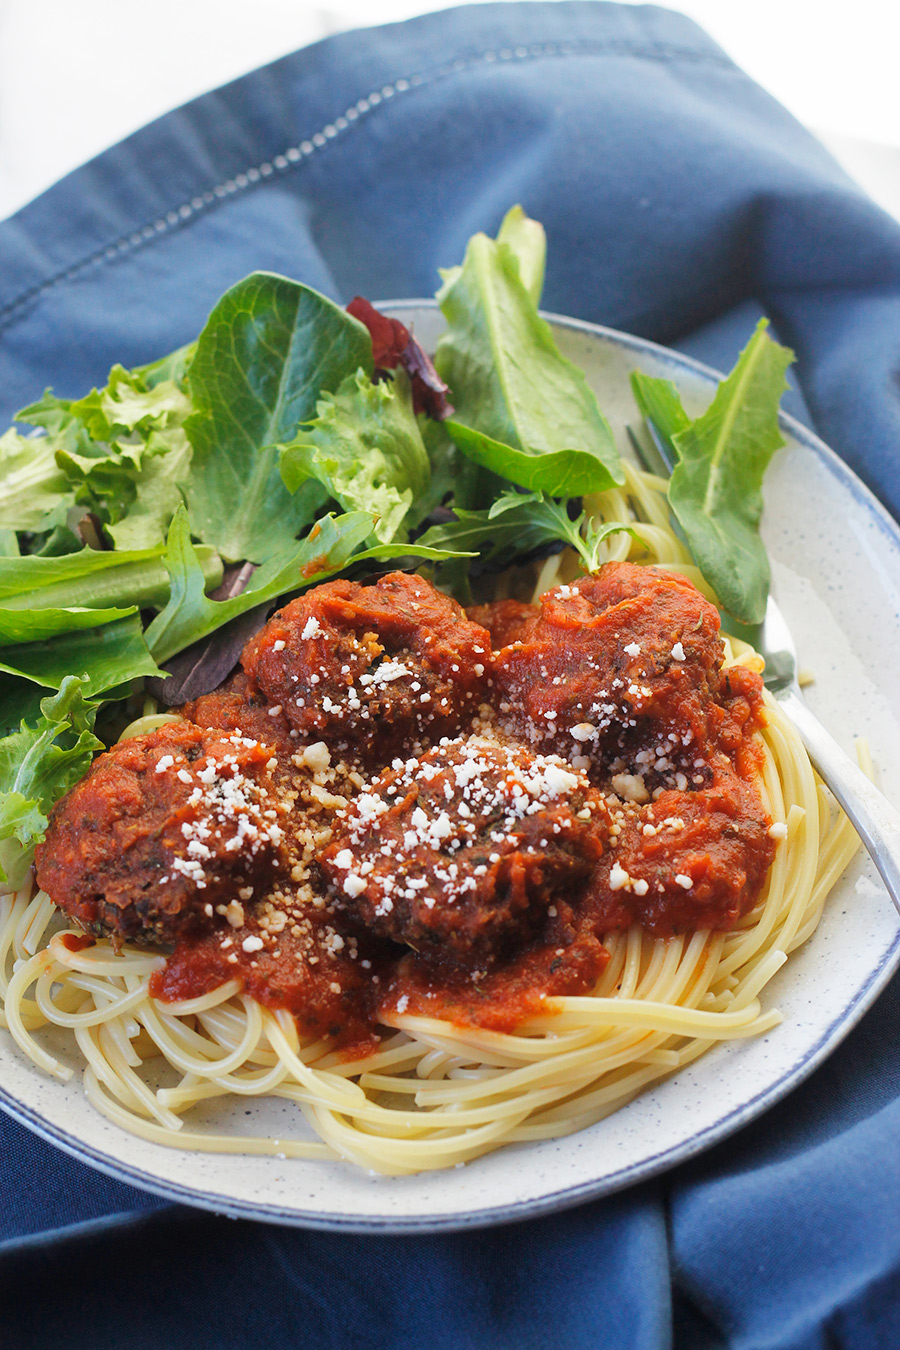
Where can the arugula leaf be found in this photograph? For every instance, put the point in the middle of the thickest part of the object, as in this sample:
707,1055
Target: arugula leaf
507,377
269,350
109,656
366,448
518,523
38,765
560,473
31,482
715,489
330,545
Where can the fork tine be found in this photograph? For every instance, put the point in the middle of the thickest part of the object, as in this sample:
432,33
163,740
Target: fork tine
648,447
660,445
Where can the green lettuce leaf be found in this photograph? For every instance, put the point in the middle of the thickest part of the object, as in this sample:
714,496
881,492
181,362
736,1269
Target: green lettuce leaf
36,625
331,544
527,241
93,579
122,450
108,656
560,473
660,403
715,490
366,448
270,349
507,377
32,485
38,765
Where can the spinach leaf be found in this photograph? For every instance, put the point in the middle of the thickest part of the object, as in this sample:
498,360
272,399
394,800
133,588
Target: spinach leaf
507,377
366,448
38,765
716,485
269,350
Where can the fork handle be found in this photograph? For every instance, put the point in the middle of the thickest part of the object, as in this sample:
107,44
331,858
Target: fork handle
877,822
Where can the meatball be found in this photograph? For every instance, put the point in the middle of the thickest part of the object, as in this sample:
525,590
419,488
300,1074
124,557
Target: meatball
464,847
616,661
691,860
507,621
370,669
164,828
238,705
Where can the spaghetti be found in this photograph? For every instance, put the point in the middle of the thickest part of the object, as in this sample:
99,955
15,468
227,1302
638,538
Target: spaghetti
435,1093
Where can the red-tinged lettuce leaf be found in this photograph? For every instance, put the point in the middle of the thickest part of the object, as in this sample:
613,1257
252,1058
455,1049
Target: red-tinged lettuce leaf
204,665
393,345
390,337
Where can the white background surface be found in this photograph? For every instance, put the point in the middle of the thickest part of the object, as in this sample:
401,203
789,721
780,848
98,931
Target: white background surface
78,75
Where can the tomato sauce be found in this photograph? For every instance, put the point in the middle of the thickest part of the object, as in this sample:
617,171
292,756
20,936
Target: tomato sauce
466,803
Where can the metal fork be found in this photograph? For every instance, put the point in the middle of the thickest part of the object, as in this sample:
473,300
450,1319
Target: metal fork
876,821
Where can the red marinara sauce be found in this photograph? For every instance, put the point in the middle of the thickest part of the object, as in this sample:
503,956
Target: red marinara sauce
466,804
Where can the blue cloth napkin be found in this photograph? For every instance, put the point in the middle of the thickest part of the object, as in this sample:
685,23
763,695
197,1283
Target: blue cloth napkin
679,200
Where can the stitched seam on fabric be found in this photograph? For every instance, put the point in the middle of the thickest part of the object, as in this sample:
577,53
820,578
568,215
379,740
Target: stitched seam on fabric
181,215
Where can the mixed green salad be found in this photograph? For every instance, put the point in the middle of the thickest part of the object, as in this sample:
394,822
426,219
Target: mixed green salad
142,525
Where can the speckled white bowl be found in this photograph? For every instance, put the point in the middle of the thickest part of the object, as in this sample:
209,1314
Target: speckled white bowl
836,561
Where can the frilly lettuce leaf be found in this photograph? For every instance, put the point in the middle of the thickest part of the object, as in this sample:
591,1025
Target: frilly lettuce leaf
38,765
366,448
32,485
122,452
